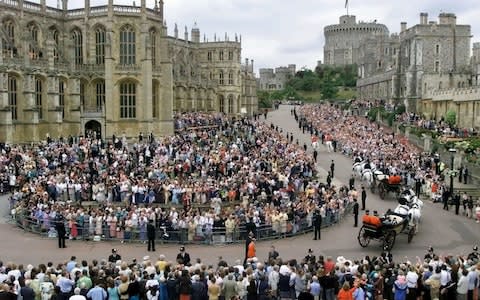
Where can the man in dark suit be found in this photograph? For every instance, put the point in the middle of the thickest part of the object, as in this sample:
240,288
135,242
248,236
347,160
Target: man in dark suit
317,224
151,235
310,258
355,213
364,197
114,257
332,168
183,257
61,231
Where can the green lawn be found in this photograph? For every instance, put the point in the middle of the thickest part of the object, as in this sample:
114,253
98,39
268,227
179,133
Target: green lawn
315,96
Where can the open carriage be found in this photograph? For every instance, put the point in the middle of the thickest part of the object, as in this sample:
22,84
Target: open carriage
385,229
386,184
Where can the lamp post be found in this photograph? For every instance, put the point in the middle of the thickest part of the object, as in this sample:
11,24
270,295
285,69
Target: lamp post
452,172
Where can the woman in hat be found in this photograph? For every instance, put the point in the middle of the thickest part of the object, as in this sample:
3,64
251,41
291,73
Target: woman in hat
400,287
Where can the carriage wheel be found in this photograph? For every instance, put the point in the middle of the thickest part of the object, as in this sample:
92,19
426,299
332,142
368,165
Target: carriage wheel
411,233
363,238
389,240
382,191
372,187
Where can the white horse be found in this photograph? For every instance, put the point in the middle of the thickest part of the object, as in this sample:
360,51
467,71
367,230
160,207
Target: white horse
367,175
329,146
358,168
415,214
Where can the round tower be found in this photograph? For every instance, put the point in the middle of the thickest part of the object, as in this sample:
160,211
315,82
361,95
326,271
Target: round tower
343,40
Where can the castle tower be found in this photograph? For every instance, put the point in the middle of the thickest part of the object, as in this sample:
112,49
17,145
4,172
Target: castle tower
195,33
343,40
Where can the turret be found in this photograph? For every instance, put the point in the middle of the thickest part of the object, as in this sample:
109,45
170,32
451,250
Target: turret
185,34
195,33
175,31
423,18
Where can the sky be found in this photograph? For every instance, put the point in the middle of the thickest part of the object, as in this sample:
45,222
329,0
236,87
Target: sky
281,32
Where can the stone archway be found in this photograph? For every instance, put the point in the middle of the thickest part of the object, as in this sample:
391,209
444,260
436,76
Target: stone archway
93,129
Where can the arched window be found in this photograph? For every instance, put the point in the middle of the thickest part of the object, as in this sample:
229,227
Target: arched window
55,36
39,97
155,98
77,47
127,45
230,77
100,38
153,46
230,104
100,94
221,103
82,93
221,79
8,39
61,97
33,46
128,100
12,96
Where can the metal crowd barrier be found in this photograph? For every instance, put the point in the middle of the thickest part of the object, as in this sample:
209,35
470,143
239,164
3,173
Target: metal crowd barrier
200,234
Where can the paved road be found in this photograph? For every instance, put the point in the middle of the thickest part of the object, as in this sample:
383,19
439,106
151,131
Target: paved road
447,233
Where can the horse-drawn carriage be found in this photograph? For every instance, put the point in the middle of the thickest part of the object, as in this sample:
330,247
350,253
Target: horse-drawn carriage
392,224
386,184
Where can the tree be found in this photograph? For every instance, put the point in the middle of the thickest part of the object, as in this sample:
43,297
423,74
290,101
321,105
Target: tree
451,117
328,89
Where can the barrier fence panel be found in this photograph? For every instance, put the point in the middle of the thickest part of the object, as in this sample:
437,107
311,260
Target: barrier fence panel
191,235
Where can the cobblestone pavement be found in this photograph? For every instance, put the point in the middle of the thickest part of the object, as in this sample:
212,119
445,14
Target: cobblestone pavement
446,232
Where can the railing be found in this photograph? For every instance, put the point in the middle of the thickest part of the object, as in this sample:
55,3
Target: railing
32,6
195,235
122,67
90,68
99,10
10,2
127,9
76,12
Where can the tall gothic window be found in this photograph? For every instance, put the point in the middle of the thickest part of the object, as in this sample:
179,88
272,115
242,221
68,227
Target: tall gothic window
100,37
153,46
82,93
220,55
127,45
100,94
230,77
77,47
38,97
230,55
230,104
12,96
55,37
221,103
209,55
221,78
128,100
8,41
155,99
33,46
61,97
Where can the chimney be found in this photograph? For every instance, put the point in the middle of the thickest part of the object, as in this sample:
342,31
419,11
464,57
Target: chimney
403,26
423,18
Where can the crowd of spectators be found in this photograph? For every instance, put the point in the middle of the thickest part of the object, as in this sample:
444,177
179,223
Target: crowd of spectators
217,173
435,276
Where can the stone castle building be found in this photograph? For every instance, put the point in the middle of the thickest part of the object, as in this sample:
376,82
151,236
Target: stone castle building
111,69
271,80
344,40
411,66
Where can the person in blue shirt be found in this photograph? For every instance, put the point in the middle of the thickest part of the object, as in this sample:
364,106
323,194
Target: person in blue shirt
97,293
71,264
